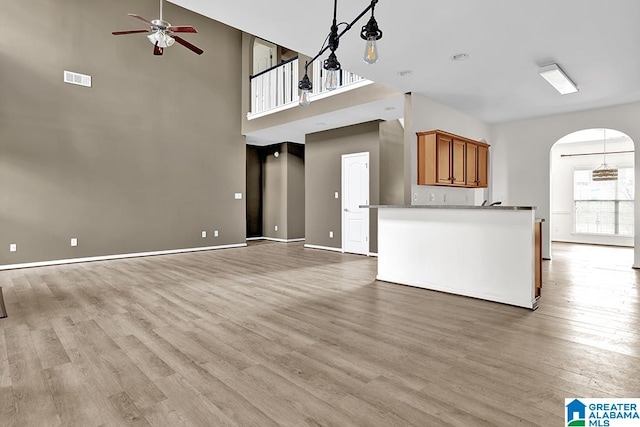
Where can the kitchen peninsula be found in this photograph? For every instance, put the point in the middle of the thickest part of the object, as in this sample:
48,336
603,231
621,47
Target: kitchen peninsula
477,251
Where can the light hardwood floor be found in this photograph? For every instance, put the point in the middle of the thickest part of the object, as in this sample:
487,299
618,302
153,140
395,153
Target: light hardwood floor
275,334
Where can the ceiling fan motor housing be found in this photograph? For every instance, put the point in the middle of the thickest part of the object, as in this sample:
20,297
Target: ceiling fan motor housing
160,24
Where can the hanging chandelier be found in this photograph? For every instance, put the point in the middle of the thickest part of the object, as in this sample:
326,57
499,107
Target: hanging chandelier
604,172
370,33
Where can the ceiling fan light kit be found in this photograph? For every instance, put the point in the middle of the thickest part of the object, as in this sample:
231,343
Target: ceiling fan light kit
370,33
162,34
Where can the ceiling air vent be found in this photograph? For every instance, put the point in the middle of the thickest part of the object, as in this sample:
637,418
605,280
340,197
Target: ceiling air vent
77,78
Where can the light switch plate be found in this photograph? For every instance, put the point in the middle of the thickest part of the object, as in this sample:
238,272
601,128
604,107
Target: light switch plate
276,228
331,234
238,196
204,234
74,241
13,247
336,195
215,233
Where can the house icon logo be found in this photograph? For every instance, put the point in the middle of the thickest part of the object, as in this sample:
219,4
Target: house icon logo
576,413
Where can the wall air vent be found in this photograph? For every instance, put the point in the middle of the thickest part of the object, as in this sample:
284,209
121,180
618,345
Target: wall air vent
77,79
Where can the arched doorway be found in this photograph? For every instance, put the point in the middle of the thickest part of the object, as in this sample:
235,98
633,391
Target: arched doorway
584,210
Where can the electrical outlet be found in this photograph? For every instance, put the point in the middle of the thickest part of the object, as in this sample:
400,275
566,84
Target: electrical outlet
336,195
215,233
74,241
238,196
276,228
13,247
204,234
432,197
331,234
445,198
415,197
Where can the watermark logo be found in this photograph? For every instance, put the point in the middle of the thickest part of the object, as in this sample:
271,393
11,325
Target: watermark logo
581,412
576,413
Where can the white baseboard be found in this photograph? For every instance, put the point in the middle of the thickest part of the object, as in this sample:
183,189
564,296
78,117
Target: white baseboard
118,256
324,248
273,239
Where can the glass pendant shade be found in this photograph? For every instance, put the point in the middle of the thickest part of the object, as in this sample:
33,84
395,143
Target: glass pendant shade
371,51
332,80
305,98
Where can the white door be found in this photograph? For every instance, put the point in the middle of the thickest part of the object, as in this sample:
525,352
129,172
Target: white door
264,55
355,192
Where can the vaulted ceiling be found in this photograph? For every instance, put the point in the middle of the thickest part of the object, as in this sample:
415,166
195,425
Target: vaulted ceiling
596,42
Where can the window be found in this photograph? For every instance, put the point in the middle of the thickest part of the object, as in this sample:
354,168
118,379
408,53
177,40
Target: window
603,207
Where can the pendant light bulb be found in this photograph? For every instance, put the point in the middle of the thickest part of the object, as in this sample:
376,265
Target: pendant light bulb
305,87
331,82
332,67
305,98
371,51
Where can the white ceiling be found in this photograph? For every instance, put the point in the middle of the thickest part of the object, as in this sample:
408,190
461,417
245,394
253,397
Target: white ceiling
596,42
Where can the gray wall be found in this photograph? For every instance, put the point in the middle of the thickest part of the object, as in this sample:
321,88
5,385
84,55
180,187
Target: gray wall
295,191
274,201
144,160
323,161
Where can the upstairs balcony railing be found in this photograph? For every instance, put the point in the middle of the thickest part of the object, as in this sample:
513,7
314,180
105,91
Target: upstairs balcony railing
276,89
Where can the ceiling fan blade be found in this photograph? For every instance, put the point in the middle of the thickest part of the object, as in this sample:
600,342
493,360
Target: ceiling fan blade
182,29
133,15
188,45
157,50
120,33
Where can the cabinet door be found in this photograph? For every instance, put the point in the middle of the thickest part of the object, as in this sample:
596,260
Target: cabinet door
443,149
458,162
483,166
472,165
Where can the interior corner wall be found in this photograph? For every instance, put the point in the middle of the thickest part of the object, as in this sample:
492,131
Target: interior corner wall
429,115
144,160
323,161
522,176
391,163
283,179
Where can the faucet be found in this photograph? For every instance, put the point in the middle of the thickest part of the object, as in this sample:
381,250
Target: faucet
484,203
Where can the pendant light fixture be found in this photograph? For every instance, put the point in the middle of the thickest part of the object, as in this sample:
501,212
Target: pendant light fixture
604,172
331,64
305,87
370,32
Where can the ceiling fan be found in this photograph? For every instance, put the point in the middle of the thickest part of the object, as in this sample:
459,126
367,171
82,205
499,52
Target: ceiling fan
162,34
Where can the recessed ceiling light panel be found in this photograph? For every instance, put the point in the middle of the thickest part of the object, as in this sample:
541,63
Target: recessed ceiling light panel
558,79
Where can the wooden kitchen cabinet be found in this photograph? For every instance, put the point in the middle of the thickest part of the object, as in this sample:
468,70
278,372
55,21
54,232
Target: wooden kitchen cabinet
477,157
483,165
451,160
